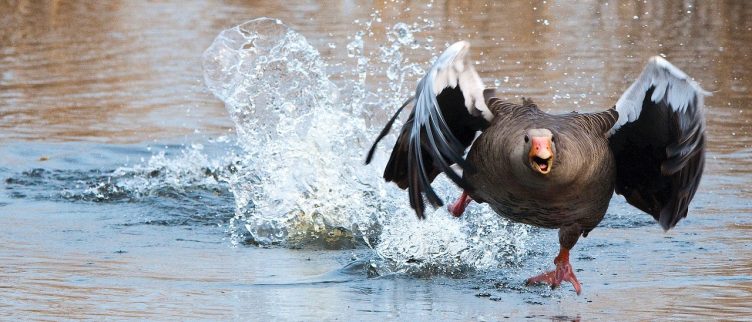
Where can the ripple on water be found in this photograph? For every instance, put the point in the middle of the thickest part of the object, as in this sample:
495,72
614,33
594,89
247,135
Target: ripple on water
182,190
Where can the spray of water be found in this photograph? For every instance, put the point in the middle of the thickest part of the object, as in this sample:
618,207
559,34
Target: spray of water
302,182
300,179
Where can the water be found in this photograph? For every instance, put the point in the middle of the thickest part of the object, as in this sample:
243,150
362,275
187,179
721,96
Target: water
130,191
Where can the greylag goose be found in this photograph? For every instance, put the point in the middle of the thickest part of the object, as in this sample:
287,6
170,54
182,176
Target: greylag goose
551,171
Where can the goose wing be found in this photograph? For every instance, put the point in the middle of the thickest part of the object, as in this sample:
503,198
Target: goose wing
658,142
449,108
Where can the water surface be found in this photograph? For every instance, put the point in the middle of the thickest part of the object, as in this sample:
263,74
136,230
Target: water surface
121,195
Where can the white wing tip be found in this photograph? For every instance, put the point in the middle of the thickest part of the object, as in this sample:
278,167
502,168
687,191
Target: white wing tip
663,76
663,63
454,68
678,73
458,51
460,45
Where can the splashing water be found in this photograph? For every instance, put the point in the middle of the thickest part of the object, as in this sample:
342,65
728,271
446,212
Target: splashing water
302,167
301,180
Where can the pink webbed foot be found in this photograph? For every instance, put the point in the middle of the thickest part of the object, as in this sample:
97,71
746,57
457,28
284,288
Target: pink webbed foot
563,273
458,207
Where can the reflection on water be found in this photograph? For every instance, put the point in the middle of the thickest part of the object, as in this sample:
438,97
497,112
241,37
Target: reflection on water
130,72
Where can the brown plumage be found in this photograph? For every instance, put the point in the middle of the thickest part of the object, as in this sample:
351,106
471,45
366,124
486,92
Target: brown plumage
526,196
553,171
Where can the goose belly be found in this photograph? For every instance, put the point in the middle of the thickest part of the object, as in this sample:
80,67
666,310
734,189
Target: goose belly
548,205
542,210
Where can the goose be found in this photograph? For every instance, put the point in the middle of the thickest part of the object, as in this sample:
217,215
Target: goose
546,170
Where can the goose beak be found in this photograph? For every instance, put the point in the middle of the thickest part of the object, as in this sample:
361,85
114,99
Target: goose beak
541,156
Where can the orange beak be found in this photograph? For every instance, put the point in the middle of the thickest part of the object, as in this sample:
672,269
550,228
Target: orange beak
541,156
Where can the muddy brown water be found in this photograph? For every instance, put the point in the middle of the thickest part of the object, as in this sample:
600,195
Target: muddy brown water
89,85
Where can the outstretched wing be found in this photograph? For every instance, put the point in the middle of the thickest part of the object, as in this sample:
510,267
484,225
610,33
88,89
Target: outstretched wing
659,142
449,110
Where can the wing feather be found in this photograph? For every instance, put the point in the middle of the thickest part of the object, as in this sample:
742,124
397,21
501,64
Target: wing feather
658,141
449,108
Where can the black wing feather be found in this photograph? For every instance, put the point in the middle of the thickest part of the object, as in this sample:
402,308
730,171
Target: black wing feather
660,156
439,129
386,129
434,149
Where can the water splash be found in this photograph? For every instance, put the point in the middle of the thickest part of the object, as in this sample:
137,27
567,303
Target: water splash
176,186
301,181
302,173
294,176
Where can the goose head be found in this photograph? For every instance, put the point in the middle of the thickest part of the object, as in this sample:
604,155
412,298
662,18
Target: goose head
541,150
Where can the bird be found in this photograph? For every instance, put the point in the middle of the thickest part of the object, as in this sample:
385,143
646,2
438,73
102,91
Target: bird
555,171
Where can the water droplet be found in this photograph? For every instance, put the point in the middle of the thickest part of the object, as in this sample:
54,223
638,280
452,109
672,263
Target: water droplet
355,48
403,33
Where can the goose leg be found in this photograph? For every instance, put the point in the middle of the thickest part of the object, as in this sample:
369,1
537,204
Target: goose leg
458,207
563,273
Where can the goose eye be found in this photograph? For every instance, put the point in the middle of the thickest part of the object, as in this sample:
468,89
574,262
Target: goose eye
527,139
